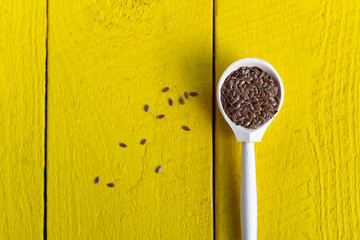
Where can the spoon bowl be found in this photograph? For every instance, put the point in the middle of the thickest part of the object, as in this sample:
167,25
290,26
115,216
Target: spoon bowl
243,134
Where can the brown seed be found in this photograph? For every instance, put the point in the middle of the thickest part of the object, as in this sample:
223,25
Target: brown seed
181,101
247,122
146,108
277,99
262,73
248,80
97,180
161,116
186,94
158,169
123,145
111,184
194,94
143,141
171,102
165,89
186,128
267,87
231,84
236,98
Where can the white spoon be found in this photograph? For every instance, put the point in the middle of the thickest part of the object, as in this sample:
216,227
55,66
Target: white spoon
248,137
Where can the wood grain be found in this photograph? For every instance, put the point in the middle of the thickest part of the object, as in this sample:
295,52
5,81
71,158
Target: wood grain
308,162
22,108
107,59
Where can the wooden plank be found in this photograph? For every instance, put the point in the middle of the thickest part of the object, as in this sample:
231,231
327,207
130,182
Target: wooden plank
308,162
107,59
22,109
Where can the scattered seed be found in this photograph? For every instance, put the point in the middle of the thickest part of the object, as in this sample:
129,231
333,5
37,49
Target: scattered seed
186,128
97,180
158,169
181,101
171,102
165,89
186,94
123,145
143,141
146,108
194,94
111,184
161,116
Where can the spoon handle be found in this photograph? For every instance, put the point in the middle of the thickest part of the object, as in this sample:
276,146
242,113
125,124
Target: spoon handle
248,192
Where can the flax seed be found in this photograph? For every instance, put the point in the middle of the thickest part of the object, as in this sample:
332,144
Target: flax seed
186,128
250,97
146,108
97,180
186,94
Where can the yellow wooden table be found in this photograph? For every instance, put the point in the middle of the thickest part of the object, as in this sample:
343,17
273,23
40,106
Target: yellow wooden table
75,76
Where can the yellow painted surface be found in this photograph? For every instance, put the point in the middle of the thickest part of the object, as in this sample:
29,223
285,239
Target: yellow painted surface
308,162
107,59
22,98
